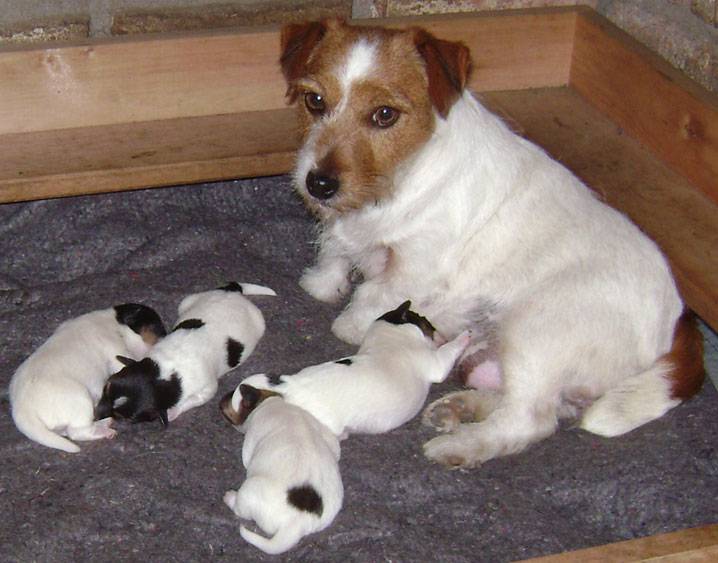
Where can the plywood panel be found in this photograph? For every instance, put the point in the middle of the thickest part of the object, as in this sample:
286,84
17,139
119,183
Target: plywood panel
673,116
699,545
223,72
146,154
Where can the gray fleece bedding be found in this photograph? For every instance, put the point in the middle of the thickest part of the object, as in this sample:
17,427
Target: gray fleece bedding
155,494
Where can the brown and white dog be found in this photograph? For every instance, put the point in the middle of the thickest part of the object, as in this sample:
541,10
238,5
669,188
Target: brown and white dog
428,196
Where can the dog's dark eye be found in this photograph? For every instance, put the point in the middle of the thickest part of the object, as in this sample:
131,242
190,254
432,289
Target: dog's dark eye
385,116
315,103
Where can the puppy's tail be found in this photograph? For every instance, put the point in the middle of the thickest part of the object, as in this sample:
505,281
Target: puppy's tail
254,289
674,377
30,424
284,540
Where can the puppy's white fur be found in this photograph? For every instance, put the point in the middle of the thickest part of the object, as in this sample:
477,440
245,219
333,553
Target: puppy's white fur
286,448
199,356
380,388
479,220
55,390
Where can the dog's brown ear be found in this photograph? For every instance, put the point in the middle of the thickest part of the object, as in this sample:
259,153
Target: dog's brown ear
448,65
297,44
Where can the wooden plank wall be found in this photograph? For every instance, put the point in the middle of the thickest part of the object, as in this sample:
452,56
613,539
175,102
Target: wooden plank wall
141,112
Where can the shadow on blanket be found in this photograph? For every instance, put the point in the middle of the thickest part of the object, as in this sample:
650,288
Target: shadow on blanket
154,494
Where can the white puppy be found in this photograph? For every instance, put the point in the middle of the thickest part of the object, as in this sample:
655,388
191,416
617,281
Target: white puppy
432,198
381,387
293,486
55,390
215,331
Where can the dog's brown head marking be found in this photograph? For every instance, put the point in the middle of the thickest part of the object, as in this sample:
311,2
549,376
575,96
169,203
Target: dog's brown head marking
251,398
368,98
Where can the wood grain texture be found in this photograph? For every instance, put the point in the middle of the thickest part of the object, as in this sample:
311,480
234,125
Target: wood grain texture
660,106
699,545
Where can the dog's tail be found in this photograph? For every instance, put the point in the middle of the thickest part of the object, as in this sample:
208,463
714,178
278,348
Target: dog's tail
254,289
30,424
284,540
674,377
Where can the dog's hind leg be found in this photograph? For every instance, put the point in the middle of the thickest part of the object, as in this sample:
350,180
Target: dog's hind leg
525,412
508,429
460,407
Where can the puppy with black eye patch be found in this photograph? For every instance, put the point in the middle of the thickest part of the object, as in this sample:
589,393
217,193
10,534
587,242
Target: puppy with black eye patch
293,485
215,331
54,391
382,386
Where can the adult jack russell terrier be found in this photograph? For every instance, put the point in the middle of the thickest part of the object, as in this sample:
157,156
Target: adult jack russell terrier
430,197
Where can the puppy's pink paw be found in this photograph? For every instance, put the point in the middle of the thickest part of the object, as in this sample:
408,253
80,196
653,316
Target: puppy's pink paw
230,498
102,430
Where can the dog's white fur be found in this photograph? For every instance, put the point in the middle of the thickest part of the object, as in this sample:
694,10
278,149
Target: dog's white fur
286,447
54,391
482,221
199,356
384,386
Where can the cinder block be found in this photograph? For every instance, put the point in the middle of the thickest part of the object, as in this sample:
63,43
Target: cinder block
185,18
74,29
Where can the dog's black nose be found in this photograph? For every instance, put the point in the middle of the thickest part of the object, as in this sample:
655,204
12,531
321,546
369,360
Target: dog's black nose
321,187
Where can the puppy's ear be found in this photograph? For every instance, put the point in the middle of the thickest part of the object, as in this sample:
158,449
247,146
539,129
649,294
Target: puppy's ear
125,361
297,45
250,396
448,65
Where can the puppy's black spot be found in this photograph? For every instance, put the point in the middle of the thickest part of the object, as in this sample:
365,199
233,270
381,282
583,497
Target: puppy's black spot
189,324
274,379
137,394
140,318
306,498
234,352
345,362
232,286
404,315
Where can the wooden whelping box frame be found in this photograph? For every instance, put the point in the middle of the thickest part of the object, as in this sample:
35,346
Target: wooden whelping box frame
138,112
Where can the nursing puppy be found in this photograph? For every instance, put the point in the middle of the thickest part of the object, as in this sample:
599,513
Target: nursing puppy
381,387
293,486
432,198
215,331
55,390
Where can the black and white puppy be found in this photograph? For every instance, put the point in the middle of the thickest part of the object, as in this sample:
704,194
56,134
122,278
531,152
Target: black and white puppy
381,387
293,485
54,391
215,331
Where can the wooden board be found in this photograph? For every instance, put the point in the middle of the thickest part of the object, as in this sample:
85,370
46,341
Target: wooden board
673,116
146,154
141,112
698,545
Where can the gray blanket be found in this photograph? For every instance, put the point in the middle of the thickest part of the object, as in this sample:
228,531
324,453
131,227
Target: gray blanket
156,494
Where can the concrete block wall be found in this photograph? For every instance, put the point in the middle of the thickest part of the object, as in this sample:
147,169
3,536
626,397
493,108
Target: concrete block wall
684,32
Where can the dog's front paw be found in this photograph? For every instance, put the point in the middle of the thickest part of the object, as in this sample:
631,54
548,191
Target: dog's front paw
324,284
346,328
